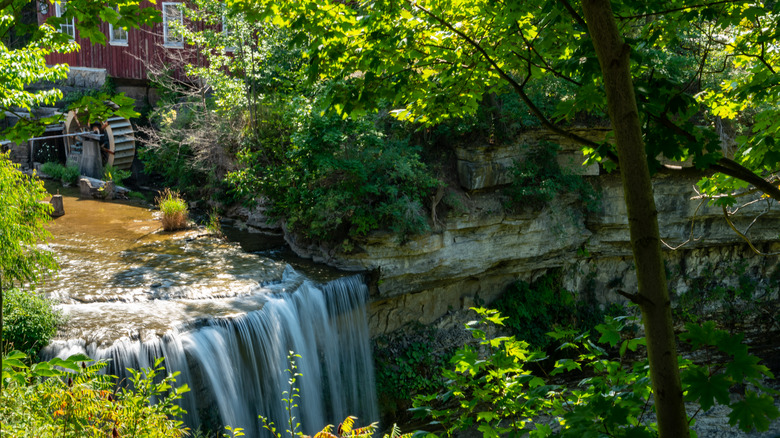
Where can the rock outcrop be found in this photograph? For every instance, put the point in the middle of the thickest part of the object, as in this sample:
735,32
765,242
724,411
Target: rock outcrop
480,250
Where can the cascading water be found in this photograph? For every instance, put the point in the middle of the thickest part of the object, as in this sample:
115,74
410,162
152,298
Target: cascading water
238,365
224,319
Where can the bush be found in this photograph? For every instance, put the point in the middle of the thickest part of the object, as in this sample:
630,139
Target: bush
71,175
111,173
496,388
543,305
538,178
29,321
53,169
404,369
68,174
68,398
174,210
341,178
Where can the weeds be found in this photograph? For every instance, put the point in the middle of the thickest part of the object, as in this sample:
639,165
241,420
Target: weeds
174,210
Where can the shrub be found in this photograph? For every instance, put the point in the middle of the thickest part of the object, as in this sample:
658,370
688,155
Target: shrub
404,370
174,210
492,388
29,321
53,169
68,174
538,178
68,398
71,175
536,308
340,179
111,173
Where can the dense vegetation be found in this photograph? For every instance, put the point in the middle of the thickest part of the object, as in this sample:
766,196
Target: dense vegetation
499,387
70,398
666,74
29,322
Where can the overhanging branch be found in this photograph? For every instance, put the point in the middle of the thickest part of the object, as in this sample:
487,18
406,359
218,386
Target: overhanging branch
505,76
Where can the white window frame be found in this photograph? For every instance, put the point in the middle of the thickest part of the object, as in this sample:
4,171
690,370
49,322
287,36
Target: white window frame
226,33
166,19
69,26
121,31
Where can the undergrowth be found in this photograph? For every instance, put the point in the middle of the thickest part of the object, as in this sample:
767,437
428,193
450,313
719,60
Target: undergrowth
174,210
29,322
69,174
405,369
534,309
538,179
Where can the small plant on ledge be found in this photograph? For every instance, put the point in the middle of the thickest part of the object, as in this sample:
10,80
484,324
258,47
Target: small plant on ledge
174,210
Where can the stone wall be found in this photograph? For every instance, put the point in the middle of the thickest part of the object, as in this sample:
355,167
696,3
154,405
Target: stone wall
84,77
478,252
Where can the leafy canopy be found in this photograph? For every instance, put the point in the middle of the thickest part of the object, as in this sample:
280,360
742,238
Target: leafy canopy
694,64
22,221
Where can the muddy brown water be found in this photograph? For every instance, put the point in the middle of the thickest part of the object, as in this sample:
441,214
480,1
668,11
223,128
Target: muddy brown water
121,275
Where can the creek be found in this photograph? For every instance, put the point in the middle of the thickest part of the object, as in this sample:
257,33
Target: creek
226,319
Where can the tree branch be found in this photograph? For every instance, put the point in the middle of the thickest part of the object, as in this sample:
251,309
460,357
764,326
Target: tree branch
690,237
635,298
577,17
504,75
684,8
546,65
744,237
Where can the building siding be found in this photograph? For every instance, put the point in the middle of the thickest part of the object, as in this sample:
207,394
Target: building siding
126,61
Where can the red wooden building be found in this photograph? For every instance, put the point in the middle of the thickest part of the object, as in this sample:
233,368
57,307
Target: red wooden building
127,52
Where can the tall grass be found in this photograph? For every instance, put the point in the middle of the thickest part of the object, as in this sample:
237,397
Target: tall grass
174,210
68,174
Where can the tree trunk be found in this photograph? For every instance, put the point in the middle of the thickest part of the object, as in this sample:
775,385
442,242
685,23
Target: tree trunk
653,295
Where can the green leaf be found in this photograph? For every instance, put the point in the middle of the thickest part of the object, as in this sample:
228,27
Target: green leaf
756,410
609,334
706,389
745,366
698,335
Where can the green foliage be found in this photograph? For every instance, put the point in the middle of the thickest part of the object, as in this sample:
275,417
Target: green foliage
70,99
538,179
213,224
22,222
532,310
111,173
199,130
713,381
404,370
290,399
69,398
69,174
174,210
732,305
29,322
340,179
493,388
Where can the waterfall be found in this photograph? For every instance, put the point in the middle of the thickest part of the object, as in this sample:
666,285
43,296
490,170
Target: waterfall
236,366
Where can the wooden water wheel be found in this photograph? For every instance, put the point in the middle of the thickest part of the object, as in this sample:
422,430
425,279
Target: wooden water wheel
121,139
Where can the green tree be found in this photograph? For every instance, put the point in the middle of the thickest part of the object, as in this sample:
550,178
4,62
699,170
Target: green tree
436,59
23,64
22,221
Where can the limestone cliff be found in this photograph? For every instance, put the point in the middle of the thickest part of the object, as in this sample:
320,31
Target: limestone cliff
478,250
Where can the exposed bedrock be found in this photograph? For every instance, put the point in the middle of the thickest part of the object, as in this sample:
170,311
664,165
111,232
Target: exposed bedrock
476,252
